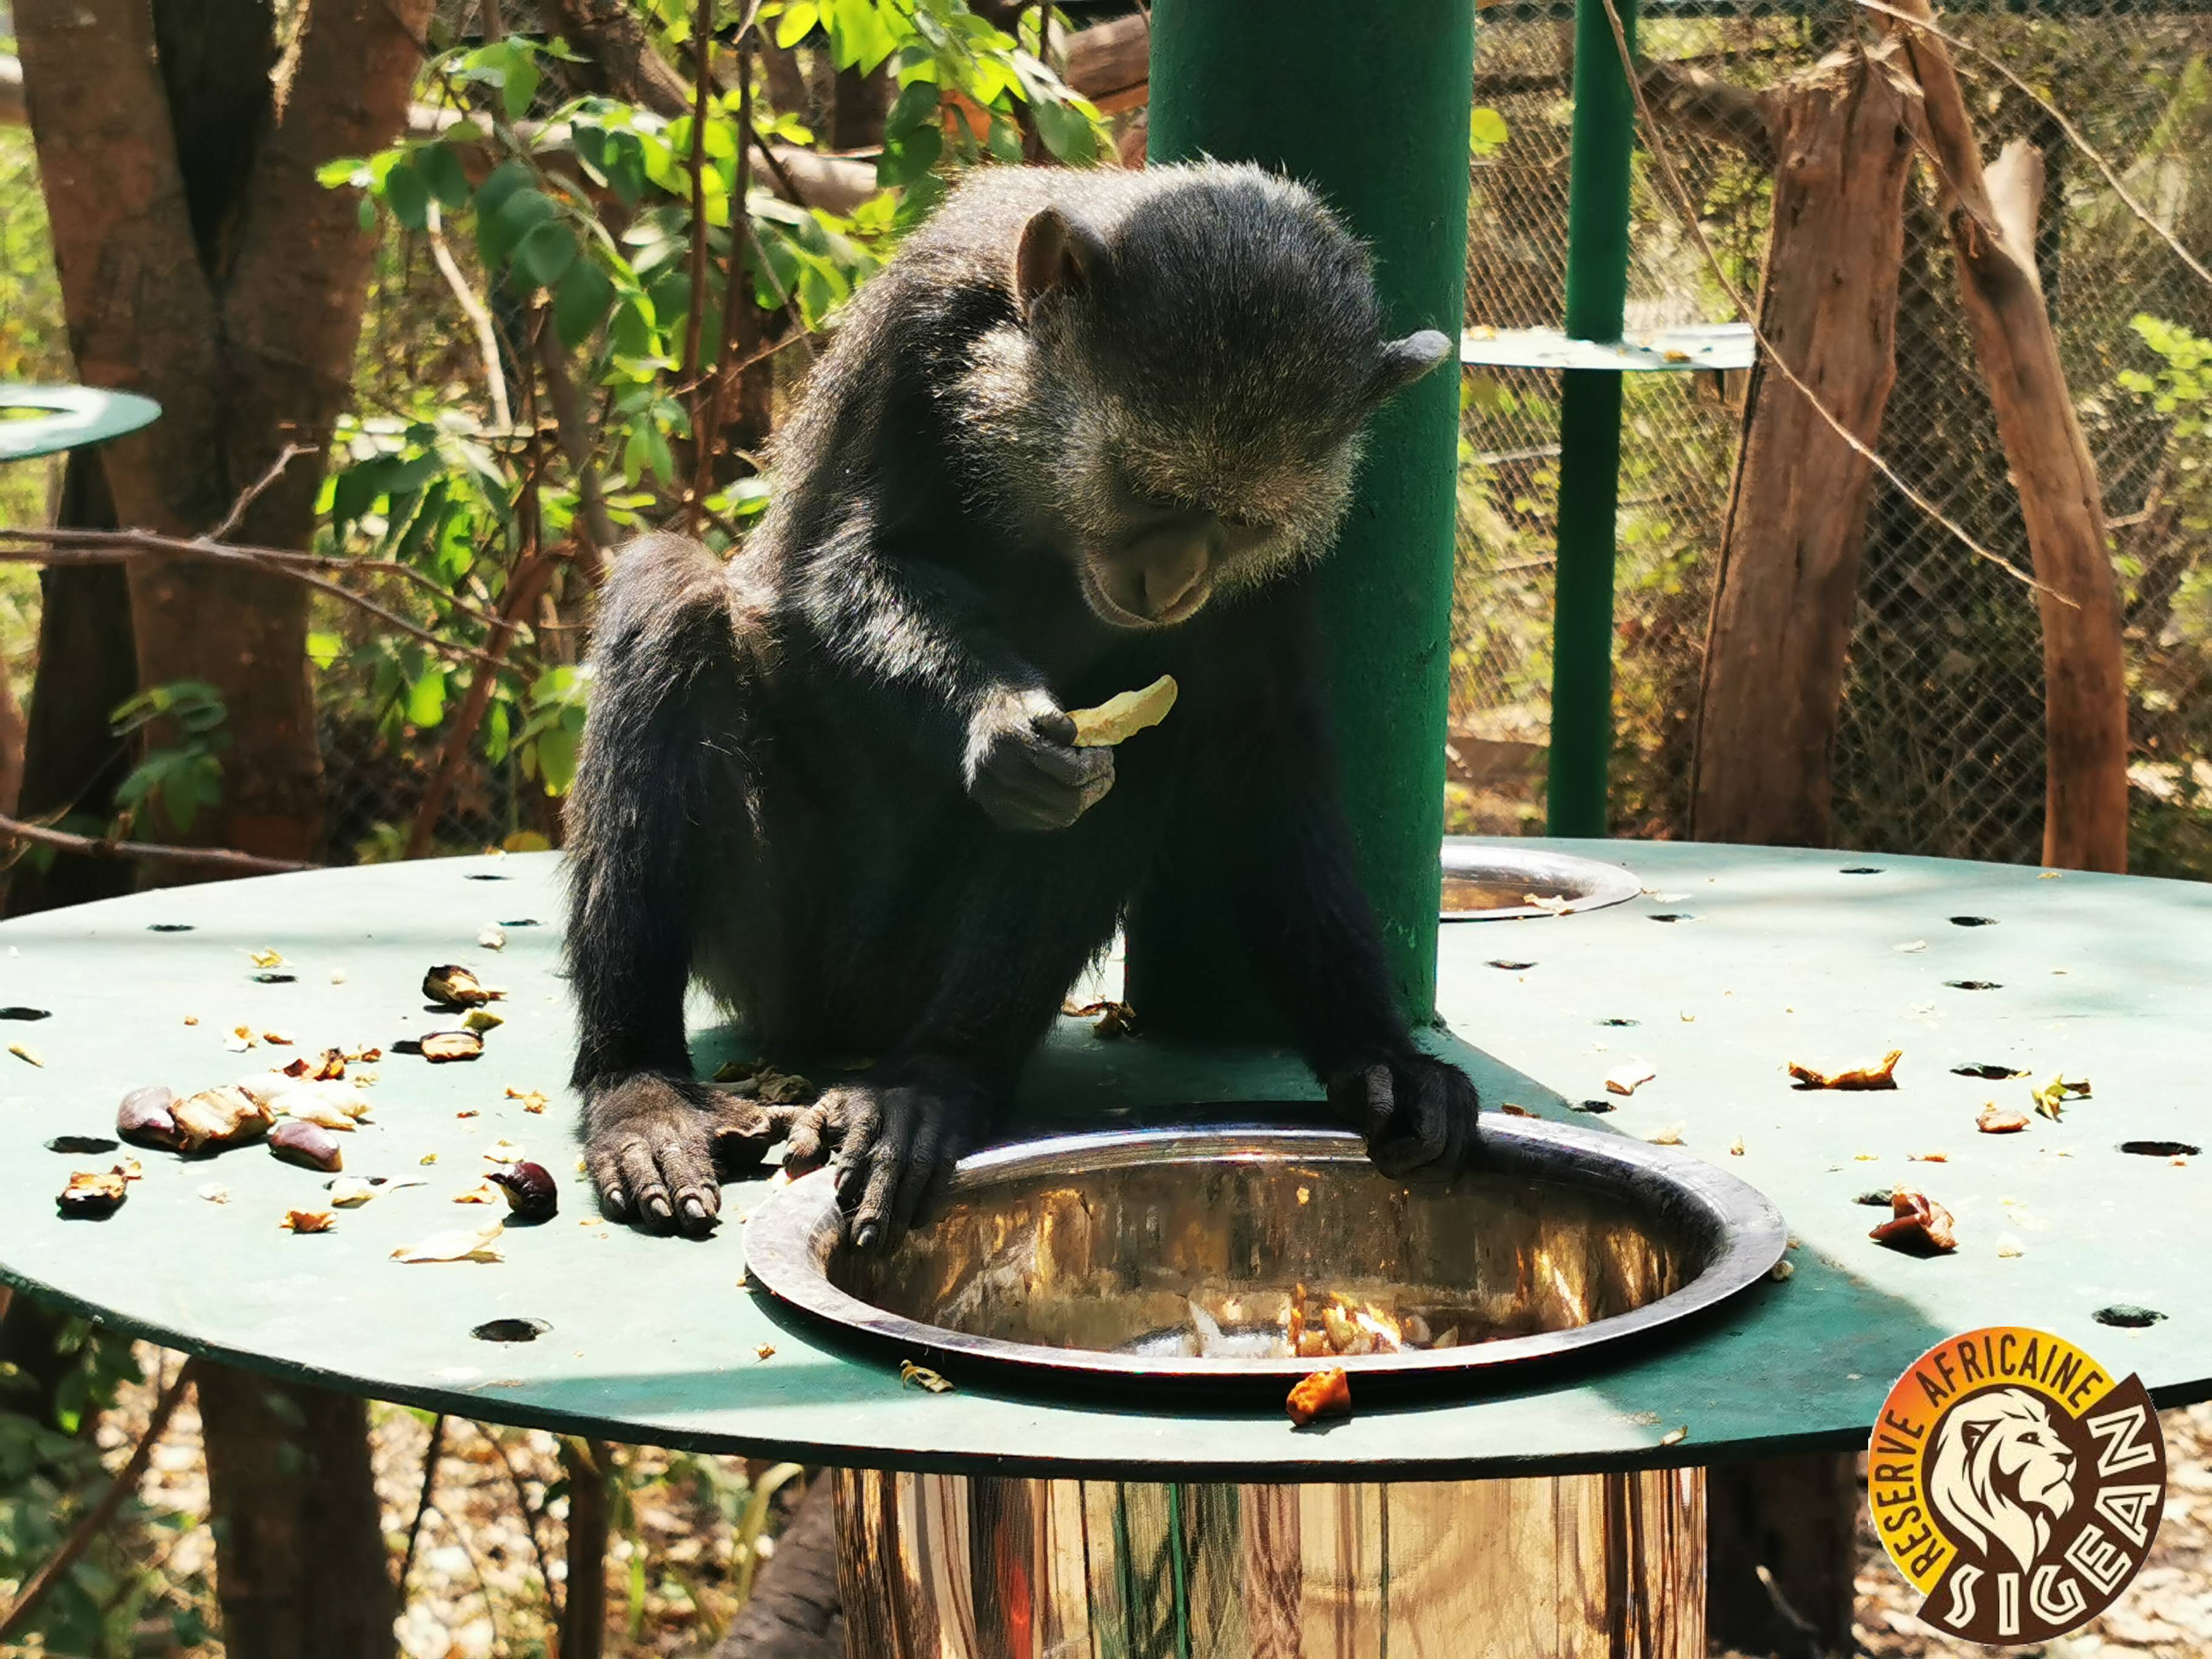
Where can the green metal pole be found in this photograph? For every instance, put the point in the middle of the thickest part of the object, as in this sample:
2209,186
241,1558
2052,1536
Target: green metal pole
1589,425
1369,106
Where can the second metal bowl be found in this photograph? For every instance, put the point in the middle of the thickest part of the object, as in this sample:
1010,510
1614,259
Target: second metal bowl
1486,882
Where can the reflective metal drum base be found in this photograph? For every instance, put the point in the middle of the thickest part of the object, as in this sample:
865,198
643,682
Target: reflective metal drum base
1595,1566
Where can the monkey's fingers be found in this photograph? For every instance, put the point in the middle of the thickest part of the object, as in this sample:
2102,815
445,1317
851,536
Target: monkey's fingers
903,1152
606,1176
745,1132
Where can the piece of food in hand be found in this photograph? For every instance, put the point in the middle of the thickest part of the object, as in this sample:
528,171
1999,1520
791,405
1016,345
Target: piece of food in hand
307,1221
452,985
1324,1393
144,1118
93,1195
530,1194
441,1046
215,1118
1124,715
1883,1076
308,1145
1917,1223
461,1244
1998,1119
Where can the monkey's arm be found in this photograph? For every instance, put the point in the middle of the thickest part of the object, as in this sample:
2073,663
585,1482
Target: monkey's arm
1292,876
915,640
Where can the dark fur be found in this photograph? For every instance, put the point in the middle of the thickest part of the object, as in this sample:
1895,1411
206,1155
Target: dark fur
828,781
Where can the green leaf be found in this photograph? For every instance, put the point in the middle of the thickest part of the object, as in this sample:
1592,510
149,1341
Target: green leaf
323,650
500,185
858,37
518,88
796,23
555,751
343,171
547,253
626,168
365,214
1486,131
498,731
441,170
910,160
915,107
632,327
408,196
580,301
501,234
1067,133
426,700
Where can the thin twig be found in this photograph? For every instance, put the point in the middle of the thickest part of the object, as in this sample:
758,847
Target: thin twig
522,592
2073,134
473,309
1686,210
431,1453
95,1520
737,299
529,1519
252,492
102,846
694,324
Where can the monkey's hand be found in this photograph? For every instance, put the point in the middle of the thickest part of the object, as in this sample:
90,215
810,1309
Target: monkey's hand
1417,1113
1022,767
658,1146
896,1133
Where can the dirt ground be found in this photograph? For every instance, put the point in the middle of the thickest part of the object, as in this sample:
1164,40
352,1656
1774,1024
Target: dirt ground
493,1539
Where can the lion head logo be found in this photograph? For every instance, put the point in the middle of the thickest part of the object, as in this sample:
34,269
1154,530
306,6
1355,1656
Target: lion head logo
2000,1474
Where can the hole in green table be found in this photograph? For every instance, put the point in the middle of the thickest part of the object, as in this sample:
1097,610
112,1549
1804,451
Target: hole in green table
2161,1148
1593,1106
2127,1316
1674,916
1989,1071
81,1146
510,1330
1873,1198
1510,967
169,926
26,1013
1973,921
486,876
1860,869
1973,984
275,979
1617,1021
526,921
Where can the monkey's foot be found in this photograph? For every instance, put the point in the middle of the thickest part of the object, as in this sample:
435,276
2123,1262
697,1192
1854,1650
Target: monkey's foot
658,1147
895,1134
1417,1113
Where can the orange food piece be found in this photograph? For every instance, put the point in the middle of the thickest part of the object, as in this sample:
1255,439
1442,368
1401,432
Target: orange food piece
1996,1119
1883,1076
1323,1394
1917,1223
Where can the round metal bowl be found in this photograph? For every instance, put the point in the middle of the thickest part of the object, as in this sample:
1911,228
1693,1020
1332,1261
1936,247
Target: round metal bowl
1485,882
1176,1254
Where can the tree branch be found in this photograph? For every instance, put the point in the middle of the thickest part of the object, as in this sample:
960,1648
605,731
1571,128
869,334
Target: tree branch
1706,104
99,846
95,1519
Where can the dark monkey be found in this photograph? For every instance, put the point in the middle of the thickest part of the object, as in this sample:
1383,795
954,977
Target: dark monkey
1085,429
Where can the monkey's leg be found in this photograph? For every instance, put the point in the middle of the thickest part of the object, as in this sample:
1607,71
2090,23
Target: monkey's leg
1035,917
659,828
1282,855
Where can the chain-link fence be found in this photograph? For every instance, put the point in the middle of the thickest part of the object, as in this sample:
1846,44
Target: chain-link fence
1940,746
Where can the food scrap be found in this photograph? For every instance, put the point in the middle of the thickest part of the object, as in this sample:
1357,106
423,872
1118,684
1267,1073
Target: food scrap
452,985
482,1020
2050,1099
267,958
531,1100
216,1193
24,1051
1110,1019
1995,1120
215,1118
143,1119
440,1045
530,1194
493,938
920,1377
1323,1394
2009,1247
1917,1225
1675,1436
308,1221
461,1244
1627,1080
309,1144
1858,1077
351,1192
1124,715
93,1195
1736,1147
1669,1136
766,1351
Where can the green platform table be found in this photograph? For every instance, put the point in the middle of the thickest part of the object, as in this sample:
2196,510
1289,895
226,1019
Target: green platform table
47,419
1734,963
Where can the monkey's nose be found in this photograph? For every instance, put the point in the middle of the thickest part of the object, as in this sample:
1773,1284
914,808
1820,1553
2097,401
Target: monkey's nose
1169,577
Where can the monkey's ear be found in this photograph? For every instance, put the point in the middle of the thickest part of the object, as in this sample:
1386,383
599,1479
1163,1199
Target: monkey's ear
1057,254
1405,362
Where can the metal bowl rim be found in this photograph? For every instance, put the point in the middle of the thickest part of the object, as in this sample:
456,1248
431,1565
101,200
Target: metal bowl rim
1470,855
780,1252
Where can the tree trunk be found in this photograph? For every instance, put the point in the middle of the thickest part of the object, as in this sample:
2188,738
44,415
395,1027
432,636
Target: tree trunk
1992,220
1789,557
856,115
589,1467
301,1568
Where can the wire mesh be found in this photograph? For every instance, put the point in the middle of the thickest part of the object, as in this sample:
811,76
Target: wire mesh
1940,743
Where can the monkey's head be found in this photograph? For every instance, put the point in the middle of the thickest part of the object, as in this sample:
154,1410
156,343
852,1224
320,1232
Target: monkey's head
1194,371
